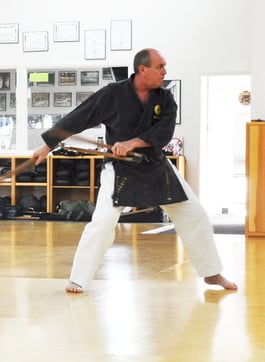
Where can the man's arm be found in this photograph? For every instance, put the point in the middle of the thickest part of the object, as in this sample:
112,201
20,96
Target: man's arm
40,153
122,148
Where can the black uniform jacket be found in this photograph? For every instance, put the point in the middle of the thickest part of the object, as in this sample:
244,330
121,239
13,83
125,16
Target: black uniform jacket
151,182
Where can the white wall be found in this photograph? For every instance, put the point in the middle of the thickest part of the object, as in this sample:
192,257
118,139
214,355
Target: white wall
257,56
197,37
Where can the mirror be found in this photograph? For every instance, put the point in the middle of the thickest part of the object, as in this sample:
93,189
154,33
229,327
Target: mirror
7,109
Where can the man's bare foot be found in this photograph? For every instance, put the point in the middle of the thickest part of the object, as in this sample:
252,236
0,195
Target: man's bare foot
218,279
74,288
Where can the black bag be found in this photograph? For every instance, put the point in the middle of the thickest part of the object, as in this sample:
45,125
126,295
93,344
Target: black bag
76,210
29,203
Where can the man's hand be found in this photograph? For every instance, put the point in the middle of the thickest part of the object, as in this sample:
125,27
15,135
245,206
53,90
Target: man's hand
40,154
122,148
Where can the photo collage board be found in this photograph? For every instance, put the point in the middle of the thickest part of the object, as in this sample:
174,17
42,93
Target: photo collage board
54,93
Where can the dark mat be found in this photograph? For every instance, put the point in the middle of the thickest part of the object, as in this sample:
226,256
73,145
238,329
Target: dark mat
229,229
220,229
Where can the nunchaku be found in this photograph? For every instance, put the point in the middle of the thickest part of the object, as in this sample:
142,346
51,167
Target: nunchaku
131,156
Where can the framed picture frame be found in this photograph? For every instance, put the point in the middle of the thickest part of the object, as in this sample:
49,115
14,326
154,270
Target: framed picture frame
62,99
50,80
36,41
82,96
107,73
67,78
34,121
43,78
95,44
13,100
121,35
40,99
2,102
175,88
9,33
4,81
11,118
90,77
66,31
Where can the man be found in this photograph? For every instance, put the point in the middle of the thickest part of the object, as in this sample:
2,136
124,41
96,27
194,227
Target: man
139,116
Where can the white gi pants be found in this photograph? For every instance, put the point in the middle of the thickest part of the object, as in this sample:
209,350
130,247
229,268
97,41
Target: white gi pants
189,218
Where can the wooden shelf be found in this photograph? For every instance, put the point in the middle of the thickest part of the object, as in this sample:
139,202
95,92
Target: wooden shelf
14,189
54,192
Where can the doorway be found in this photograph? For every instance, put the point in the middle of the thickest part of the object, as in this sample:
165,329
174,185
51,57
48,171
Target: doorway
223,138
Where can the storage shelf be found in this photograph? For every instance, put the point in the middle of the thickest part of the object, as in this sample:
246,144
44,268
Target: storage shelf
56,193
70,187
37,184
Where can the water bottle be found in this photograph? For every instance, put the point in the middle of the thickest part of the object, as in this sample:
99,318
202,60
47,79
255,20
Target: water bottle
100,140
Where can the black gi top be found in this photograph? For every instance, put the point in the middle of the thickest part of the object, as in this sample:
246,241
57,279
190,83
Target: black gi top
117,106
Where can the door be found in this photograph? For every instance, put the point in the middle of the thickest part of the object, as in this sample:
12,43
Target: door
223,143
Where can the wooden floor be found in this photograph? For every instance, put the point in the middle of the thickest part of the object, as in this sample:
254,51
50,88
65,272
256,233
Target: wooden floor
146,303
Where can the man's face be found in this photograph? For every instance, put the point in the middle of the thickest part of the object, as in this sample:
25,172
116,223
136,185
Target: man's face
154,75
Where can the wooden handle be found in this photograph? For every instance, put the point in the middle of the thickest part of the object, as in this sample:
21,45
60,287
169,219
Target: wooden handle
135,157
19,169
62,134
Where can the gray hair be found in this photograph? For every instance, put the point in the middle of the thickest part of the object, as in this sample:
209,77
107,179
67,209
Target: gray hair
142,57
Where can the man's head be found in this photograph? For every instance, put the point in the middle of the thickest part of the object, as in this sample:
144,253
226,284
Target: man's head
150,66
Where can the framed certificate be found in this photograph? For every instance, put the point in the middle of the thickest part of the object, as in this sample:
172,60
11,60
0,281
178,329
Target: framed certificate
35,41
8,33
66,31
121,35
95,44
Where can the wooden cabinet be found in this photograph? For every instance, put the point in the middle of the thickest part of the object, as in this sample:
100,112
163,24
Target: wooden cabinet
255,172
66,178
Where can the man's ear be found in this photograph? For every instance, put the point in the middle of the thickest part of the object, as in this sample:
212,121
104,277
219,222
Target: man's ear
141,69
